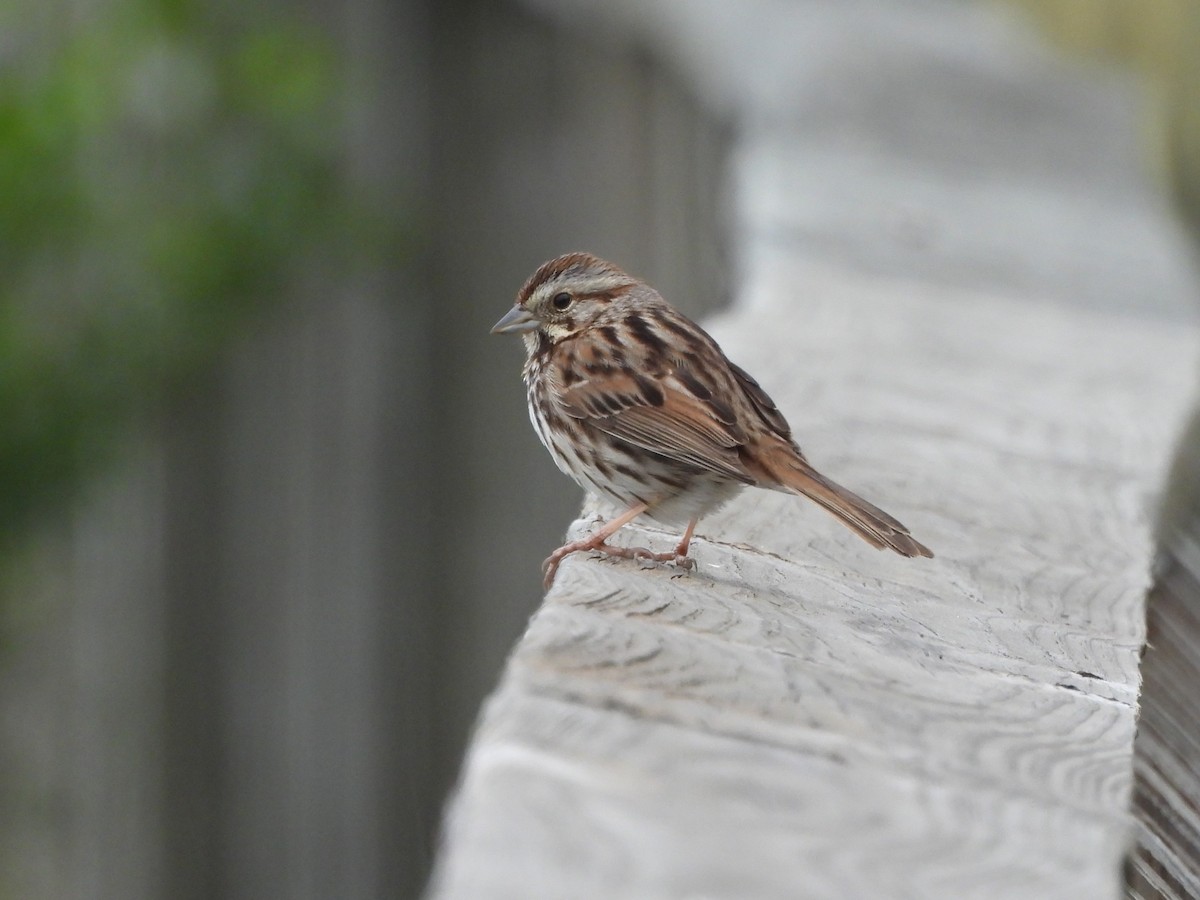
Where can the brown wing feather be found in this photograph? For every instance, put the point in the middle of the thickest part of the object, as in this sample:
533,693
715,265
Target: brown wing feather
866,519
669,411
762,402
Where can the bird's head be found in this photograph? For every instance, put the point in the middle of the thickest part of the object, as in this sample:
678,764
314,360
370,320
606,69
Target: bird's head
563,297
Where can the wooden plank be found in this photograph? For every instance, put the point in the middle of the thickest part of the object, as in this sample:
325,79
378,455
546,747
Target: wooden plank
806,711
803,716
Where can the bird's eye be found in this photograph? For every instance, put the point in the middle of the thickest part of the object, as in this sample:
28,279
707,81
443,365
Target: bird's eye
561,301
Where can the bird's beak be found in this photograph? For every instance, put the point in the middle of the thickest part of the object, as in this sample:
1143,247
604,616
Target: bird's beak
516,321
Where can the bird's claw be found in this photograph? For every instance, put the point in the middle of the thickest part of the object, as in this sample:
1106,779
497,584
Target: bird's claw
685,564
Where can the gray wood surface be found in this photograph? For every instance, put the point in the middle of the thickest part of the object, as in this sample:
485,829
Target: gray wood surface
990,343
805,717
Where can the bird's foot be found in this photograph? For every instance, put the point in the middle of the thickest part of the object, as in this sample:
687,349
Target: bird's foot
681,560
594,544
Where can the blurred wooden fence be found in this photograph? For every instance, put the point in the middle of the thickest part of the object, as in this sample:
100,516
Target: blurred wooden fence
247,665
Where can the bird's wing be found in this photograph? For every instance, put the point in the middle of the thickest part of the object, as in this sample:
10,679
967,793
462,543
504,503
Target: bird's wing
674,413
762,402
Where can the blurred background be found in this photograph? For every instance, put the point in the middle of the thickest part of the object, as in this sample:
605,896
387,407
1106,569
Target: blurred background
272,510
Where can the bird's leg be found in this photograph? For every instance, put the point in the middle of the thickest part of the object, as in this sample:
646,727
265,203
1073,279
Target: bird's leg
679,555
681,550
595,541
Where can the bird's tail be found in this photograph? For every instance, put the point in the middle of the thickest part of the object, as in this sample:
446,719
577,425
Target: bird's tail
865,519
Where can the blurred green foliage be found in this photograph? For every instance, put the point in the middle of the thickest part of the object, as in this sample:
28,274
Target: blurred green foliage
1161,38
167,169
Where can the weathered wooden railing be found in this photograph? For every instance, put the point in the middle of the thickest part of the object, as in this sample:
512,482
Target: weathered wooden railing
960,289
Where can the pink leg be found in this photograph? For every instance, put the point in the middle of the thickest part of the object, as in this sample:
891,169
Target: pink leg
681,559
597,541
685,541
594,541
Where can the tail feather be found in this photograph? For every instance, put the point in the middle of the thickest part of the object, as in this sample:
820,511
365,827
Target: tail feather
865,519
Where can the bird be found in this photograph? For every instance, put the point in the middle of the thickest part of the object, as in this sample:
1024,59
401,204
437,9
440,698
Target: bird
640,406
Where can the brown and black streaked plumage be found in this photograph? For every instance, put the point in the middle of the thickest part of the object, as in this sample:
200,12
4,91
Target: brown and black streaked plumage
639,405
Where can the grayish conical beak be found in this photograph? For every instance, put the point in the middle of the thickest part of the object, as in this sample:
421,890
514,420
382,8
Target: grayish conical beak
515,321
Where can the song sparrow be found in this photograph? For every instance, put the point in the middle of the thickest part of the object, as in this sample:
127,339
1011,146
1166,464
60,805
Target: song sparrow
639,405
